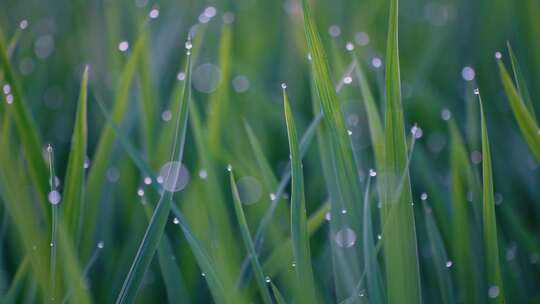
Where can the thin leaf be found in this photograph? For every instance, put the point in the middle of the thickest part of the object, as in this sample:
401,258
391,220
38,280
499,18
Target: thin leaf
520,81
489,221
250,248
154,231
299,233
277,295
400,252
74,187
525,119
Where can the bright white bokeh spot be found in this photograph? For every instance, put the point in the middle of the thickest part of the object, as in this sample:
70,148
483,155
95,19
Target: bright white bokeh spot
493,291
175,176
123,46
86,164
476,91
240,83
417,132
154,13
268,279
498,55
100,245
6,88
334,30
249,189
206,77
176,221
376,62
361,38
448,264
210,12
54,197
468,73
345,238
372,173
423,196
23,24
203,174
181,76
140,192
147,180
344,211
9,99
349,46
347,79
328,216
283,85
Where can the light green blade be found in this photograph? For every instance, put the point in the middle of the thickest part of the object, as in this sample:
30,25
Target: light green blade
299,231
250,248
400,250
495,284
74,186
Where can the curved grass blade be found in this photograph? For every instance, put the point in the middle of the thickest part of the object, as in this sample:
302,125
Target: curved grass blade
87,268
462,175
155,228
400,252
54,198
103,152
440,258
373,273
488,214
250,248
525,119
74,186
520,81
148,99
299,232
339,165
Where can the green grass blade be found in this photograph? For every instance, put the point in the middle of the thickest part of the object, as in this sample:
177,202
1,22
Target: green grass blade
299,232
277,295
149,101
27,131
441,263
400,252
18,281
250,248
338,163
375,289
103,152
525,119
496,290
174,283
74,186
461,172
520,81
155,229
218,101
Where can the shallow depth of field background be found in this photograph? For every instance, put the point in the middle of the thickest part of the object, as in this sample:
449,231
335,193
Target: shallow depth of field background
446,51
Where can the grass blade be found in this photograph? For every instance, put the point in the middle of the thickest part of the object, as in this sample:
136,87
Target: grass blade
400,252
496,290
18,281
441,263
525,119
155,228
299,232
277,295
520,81
148,99
74,187
250,248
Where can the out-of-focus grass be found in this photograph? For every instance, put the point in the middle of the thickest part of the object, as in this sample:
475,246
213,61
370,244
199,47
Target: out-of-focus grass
363,216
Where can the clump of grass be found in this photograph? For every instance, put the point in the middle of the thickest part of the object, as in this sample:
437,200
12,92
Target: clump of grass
371,214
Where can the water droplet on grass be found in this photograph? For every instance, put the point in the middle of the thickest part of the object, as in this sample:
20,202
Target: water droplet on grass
176,221
345,238
123,46
203,174
100,245
54,197
493,291
424,196
449,264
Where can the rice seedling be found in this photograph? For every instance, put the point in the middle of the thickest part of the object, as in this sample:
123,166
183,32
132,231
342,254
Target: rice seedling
296,151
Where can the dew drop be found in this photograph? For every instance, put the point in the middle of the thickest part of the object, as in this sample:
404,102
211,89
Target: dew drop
372,173
498,55
379,237
446,114
166,115
203,174
176,221
229,167
283,85
376,62
417,132
86,164
328,216
449,264
273,196
347,80
147,180
181,76
9,99
345,238
188,45
123,46
6,88
154,13
267,279
476,91
343,211
349,46
23,24
309,56
493,291
54,197
424,196
293,264
203,274
468,73
100,245
140,192
349,132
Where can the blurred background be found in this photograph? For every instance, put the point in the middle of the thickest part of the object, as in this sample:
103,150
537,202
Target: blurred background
446,50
